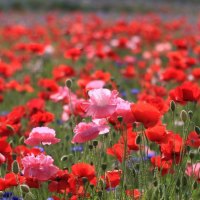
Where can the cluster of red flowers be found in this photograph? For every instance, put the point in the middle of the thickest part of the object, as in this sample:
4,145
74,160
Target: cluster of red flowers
119,82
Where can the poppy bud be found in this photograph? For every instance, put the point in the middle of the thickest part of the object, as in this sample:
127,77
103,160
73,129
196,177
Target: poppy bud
85,180
195,185
137,166
68,83
190,113
197,130
184,116
91,186
69,195
134,126
1,194
100,193
172,106
14,156
67,137
184,180
138,140
90,146
15,167
64,158
104,166
65,168
11,143
188,148
112,79
191,155
120,119
25,188
178,182
10,128
155,183
95,143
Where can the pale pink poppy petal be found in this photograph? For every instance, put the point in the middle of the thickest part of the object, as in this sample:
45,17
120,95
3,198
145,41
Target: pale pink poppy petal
102,103
85,132
40,167
96,84
42,135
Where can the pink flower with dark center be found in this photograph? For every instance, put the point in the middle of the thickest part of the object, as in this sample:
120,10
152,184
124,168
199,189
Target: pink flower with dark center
40,167
86,131
42,135
102,103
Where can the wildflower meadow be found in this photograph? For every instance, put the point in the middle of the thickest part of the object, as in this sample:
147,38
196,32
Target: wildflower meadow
99,107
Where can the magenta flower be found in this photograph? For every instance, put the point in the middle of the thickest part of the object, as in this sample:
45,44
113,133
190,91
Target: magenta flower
40,167
42,135
86,131
102,103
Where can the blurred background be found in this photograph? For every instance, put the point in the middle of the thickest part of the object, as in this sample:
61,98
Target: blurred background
163,6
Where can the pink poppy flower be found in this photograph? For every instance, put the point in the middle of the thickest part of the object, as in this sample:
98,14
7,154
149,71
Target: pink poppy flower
193,170
96,84
42,135
86,131
61,94
103,125
73,108
124,110
40,167
102,103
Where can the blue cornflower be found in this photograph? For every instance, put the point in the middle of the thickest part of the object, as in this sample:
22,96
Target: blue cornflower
4,113
40,148
77,148
123,93
59,122
9,196
135,91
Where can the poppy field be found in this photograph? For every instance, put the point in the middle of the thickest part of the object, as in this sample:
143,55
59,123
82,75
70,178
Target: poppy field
99,107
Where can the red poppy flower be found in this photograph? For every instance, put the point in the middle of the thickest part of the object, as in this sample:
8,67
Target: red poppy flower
117,150
193,140
73,53
35,105
157,134
5,151
188,91
146,114
196,73
135,194
41,118
59,182
80,170
130,137
173,74
63,72
112,178
128,72
173,148
161,164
